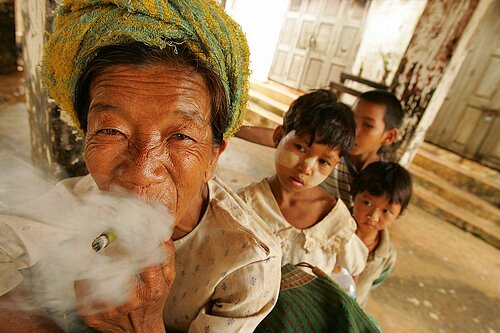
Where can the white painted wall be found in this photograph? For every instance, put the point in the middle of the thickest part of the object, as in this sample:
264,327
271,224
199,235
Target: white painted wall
261,21
389,28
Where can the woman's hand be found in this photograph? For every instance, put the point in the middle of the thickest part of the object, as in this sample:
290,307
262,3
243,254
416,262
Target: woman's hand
144,311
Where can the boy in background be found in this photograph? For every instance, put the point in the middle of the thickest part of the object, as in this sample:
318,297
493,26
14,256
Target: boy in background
378,115
312,225
381,193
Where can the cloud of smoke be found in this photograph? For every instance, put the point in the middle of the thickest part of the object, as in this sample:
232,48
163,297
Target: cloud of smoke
72,221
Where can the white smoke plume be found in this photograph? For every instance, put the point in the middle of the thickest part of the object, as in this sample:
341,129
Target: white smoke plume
72,222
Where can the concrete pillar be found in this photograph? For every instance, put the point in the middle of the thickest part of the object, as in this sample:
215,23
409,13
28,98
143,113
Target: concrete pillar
436,52
56,147
8,50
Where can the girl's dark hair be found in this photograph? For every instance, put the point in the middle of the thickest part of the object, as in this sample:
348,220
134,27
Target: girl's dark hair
139,54
387,178
328,121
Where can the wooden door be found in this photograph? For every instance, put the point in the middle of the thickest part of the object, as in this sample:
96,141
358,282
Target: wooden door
469,121
293,44
318,40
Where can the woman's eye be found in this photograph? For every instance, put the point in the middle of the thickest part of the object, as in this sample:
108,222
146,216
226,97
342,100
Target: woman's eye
109,131
366,125
387,212
181,137
366,203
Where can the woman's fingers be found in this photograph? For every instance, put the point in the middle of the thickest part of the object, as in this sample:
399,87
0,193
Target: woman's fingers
158,279
150,289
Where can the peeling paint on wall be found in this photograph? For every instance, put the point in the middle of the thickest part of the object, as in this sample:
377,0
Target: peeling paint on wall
426,59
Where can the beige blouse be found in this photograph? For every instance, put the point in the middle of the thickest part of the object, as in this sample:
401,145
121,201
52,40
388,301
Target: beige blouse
329,241
228,269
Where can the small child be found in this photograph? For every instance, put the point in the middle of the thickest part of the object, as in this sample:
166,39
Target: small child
378,115
381,193
311,225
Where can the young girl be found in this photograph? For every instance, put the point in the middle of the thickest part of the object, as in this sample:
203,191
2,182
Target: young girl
311,225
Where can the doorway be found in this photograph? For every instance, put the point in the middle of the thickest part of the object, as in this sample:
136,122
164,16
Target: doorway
319,39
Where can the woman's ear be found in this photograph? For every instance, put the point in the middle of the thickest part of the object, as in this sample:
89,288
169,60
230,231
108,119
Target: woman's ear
278,134
216,152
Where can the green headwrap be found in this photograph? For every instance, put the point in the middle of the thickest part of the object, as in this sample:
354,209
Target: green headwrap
84,26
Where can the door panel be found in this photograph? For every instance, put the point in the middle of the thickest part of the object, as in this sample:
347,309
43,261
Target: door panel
313,71
294,71
491,79
463,138
489,153
288,30
306,32
323,39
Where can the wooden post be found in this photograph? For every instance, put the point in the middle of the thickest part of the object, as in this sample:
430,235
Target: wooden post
56,147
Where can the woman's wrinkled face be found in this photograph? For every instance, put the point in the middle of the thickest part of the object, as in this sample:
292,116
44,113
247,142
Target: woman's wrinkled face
149,132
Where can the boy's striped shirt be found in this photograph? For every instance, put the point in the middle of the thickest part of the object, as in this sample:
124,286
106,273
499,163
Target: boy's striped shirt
338,183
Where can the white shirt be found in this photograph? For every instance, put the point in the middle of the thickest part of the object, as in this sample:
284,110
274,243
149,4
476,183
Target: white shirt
327,242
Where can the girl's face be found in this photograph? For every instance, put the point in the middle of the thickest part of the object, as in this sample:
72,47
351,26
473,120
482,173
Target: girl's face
300,166
374,213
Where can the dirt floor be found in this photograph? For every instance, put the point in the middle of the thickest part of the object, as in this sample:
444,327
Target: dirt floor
12,89
445,279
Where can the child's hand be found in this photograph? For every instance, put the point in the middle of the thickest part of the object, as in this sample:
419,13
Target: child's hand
144,311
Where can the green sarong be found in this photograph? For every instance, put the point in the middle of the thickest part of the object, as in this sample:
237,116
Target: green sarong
307,303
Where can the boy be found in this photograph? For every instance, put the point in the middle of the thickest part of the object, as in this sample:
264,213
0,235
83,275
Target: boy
378,115
381,193
311,225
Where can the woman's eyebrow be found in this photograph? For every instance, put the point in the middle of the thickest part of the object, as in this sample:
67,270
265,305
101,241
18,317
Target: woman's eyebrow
190,114
100,107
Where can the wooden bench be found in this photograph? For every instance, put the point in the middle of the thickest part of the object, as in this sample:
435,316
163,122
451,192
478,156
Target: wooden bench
340,87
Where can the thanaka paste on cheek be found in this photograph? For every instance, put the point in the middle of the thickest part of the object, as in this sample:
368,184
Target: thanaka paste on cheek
315,179
309,162
285,157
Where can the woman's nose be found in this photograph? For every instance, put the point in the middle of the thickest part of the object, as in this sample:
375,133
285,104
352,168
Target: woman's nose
144,167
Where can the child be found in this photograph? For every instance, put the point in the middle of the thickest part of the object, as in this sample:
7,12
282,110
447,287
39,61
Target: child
378,114
381,193
312,225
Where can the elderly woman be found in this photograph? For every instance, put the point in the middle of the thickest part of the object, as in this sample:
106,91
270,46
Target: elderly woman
158,86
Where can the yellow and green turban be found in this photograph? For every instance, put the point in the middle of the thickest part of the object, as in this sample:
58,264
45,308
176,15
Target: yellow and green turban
84,26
